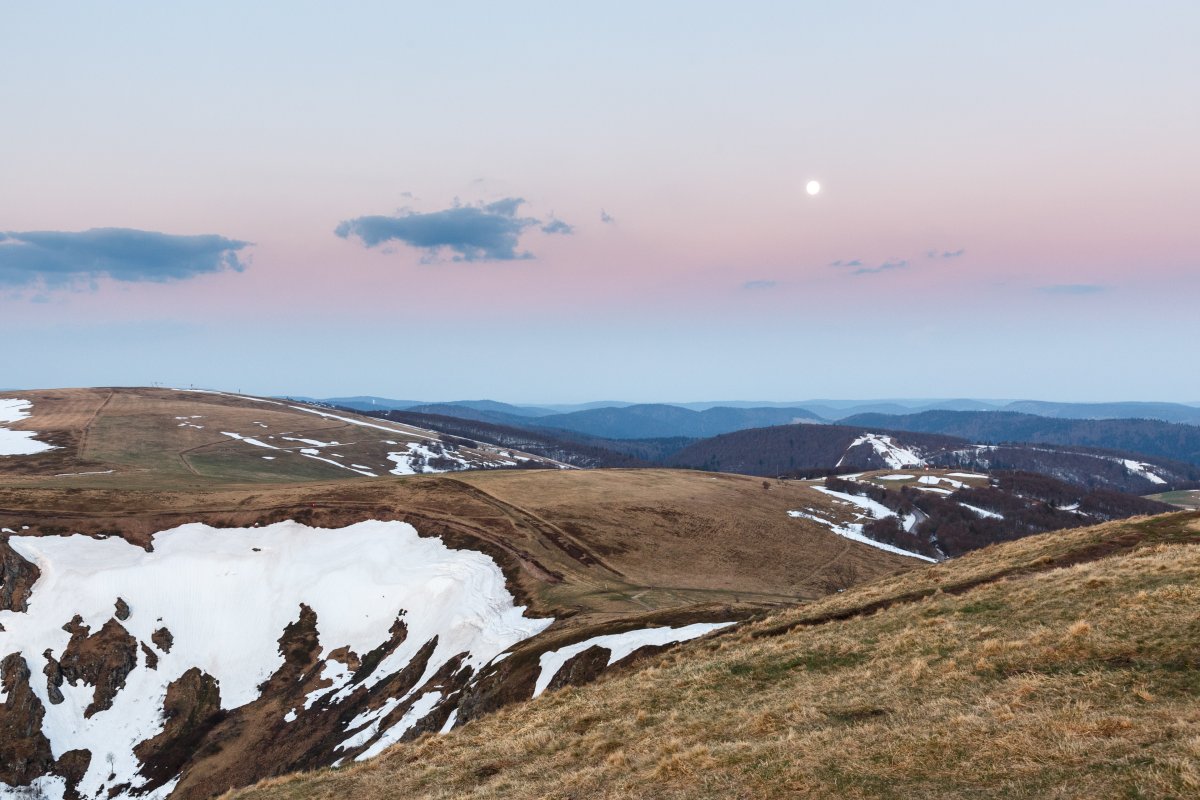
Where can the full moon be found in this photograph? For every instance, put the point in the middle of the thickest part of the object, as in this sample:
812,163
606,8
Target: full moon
813,187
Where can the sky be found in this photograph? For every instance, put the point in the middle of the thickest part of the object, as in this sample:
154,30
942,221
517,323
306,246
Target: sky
563,202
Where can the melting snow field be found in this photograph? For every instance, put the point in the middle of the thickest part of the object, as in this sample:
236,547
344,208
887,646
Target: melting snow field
894,455
871,509
415,460
1142,469
874,509
200,582
619,645
18,443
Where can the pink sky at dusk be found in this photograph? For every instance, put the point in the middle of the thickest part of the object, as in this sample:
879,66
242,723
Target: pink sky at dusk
1053,147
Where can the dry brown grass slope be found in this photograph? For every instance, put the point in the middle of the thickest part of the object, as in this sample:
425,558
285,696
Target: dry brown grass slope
1065,665
578,545
167,438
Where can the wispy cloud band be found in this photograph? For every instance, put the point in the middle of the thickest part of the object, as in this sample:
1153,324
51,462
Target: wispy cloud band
1073,289
54,259
486,232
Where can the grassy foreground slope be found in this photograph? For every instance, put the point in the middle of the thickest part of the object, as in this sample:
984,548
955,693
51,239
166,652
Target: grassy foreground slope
1062,665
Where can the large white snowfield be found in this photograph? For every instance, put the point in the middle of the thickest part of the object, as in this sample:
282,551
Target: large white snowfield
226,596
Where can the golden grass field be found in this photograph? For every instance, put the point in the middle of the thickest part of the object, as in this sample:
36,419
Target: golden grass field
160,438
1065,665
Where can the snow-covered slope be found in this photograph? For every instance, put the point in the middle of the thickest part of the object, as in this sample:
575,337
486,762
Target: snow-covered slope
893,454
17,443
115,629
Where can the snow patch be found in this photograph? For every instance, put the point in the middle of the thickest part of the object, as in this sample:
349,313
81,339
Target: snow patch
249,440
1142,469
416,460
894,455
982,512
619,645
313,442
308,452
934,480
873,508
18,443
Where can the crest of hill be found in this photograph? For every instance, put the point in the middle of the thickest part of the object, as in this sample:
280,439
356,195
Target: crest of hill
370,403
1063,665
642,421
577,449
795,450
1166,412
808,450
1178,442
168,437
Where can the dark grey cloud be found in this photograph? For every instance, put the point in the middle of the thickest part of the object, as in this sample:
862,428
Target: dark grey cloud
850,263
55,259
945,253
752,285
487,232
1073,288
558,226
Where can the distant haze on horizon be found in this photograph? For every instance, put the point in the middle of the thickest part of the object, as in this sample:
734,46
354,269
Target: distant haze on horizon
563,202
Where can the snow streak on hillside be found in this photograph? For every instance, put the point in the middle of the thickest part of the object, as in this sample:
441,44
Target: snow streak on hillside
430,453
619,646
225,596
870,509
17,443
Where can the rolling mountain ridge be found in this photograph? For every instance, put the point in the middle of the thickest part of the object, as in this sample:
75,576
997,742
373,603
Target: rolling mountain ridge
1175,441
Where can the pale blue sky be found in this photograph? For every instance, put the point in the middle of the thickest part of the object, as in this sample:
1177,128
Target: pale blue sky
1054,144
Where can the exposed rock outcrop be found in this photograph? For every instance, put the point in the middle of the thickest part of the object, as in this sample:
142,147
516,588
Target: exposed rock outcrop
102,659
17,577
191,710
162,639
581,668
24,750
